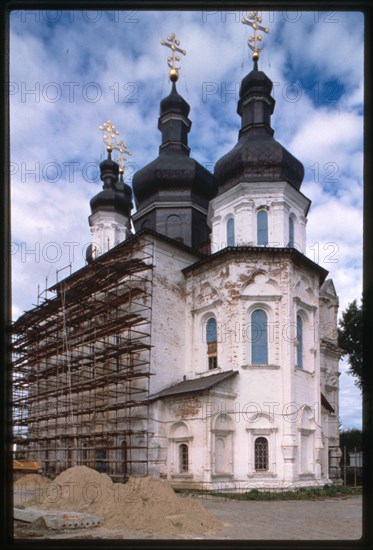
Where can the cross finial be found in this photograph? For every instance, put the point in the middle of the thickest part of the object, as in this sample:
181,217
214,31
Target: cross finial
110,136
253,21
110,139
172,59
122,149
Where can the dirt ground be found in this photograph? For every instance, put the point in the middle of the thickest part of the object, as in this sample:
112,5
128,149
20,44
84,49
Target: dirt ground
331,519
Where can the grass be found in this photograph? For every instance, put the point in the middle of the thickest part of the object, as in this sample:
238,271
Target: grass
312,493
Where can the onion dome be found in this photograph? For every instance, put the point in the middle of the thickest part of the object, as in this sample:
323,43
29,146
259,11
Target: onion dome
124,188
116,195
174,103
257,156
173,171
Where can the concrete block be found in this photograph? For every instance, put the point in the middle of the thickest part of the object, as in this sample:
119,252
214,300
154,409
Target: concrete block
57,519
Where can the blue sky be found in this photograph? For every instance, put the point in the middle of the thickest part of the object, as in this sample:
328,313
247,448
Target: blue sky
73,70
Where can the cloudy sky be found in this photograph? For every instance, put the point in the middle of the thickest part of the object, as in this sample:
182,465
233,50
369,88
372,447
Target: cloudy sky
73,70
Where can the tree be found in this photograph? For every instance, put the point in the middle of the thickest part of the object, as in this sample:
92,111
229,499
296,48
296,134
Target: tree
351,438
350,340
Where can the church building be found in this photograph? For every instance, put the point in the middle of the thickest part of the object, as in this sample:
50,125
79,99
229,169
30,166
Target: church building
198,343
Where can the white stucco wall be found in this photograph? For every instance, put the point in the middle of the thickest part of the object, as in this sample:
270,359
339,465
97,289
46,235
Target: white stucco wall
277,401
242,203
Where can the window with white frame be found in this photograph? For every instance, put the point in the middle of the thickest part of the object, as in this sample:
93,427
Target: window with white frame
261,454
179,450
291,231
183,458
259,337
262,430
262,227
212,343
230,232
299,342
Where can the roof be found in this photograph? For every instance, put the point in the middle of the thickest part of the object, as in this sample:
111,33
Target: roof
195,385
120,249
325,403
328,287
257,156
173,171
95,268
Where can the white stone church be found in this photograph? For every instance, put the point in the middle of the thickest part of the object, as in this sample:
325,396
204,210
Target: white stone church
201,346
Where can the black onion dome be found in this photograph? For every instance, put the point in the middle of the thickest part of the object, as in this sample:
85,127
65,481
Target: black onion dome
174,103
257,156
111,200
114,196
124,188
109,171
255,81
173,171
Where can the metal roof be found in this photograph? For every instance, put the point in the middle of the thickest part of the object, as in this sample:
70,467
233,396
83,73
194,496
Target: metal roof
195,385
325,403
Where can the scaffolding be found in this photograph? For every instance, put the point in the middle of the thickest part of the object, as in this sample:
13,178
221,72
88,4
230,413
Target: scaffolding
81,367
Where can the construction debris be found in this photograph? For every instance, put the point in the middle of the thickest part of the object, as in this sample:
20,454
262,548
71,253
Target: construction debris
56,519
145,504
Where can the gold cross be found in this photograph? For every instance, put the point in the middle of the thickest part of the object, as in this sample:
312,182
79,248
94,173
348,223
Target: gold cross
121,147
111,135
110,140
253,22
172,59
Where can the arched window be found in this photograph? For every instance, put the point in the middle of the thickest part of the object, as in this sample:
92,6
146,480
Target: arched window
262,227
299,342
291,232
212,346
259,338
261,454
230,232
183,458
174,227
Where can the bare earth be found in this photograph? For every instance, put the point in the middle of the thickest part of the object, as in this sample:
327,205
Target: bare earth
332,519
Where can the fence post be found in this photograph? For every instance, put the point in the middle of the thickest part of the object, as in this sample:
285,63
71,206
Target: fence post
344,465
355,468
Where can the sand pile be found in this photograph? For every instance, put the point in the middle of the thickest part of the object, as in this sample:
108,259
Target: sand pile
28,487
31,478
146,504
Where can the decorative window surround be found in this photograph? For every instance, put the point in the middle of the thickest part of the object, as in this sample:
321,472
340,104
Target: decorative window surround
304,305
208,307
264,298
265,366
270,434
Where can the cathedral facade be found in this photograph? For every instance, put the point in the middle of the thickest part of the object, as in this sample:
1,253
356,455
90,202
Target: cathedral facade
201,345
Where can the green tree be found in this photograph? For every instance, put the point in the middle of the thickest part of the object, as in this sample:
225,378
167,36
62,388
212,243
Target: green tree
351,438
350,340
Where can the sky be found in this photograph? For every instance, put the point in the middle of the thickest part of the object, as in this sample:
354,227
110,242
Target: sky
73,70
